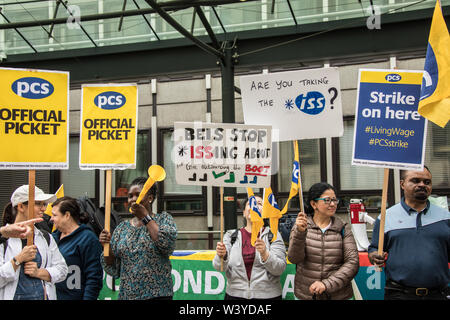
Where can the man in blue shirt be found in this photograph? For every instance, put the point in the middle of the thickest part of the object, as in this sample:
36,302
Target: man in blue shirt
416,247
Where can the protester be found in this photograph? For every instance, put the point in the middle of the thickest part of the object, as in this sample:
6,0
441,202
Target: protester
44,224
416,248
323,248
140,249
81,250
29,272
251,272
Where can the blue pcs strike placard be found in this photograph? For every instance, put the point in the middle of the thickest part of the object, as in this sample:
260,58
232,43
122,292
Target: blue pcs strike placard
389,131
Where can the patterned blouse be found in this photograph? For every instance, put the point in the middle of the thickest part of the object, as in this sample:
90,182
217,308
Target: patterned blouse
142,264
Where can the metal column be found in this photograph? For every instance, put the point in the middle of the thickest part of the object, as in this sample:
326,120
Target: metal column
228,116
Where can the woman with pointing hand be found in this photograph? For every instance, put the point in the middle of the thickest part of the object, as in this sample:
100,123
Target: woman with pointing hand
28,272
324,249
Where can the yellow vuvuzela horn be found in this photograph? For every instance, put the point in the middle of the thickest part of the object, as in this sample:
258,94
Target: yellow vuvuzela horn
155,173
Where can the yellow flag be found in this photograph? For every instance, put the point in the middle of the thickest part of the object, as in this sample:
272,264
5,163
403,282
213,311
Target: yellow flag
295,178
434,103
59,194
255,215
272,211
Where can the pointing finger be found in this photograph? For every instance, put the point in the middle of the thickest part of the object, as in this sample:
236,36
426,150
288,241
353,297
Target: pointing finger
32,221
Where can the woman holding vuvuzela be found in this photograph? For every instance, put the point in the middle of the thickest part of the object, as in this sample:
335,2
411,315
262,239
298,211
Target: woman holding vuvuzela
140,249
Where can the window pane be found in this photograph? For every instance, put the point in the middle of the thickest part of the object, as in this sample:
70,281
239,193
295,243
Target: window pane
77,182
125,177
170,183
309,164
179,205
437,154
12,179
355,177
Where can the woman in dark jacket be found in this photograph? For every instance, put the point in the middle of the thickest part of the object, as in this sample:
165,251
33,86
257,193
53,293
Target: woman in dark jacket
323,248
81,250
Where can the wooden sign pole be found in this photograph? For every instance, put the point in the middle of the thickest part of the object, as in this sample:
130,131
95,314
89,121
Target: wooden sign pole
221,224
383,211
31,184
107,209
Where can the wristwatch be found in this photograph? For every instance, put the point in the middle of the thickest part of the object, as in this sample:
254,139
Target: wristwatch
17,263
146,219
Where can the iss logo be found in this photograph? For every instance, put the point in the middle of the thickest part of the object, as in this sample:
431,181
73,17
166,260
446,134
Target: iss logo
312,103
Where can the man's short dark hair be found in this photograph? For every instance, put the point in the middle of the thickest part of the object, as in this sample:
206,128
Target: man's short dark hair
403,172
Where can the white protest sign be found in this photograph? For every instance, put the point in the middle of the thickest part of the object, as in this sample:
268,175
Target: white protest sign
219,154
303,104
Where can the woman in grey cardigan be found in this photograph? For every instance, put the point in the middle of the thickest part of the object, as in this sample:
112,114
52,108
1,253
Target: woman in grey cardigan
323,248
251,272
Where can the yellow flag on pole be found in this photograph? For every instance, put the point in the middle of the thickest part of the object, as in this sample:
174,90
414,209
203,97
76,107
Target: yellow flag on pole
272,211
295,178
59,194
434,103
255,215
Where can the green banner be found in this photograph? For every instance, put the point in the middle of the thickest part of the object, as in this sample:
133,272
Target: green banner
194,278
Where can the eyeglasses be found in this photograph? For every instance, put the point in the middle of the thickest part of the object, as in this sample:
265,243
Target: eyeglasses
37,204
328,200
40,204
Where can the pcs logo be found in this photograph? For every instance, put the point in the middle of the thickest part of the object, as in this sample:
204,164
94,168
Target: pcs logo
32,88
393,77
110,100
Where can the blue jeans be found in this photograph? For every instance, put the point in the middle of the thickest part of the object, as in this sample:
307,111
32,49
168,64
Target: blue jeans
29,288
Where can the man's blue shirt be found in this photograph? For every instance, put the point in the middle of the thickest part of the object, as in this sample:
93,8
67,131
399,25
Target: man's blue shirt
417,243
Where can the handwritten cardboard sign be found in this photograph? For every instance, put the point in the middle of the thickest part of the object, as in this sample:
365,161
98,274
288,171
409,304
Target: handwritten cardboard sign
218,154
302,104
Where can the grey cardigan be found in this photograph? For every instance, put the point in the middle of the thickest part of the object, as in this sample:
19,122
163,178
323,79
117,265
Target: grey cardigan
265,278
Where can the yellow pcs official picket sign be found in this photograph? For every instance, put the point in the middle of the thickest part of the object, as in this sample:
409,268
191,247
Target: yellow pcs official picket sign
108,126
34,118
